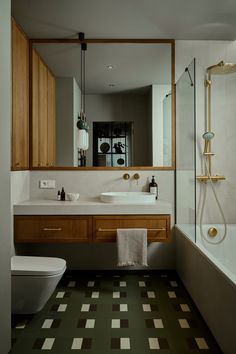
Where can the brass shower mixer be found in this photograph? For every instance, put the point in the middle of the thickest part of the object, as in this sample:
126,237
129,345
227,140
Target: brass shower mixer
205,178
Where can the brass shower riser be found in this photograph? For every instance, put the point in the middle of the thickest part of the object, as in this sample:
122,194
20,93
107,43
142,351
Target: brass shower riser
215,178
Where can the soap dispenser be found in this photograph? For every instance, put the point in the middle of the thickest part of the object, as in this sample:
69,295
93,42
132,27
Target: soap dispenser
63,194
59,195
153,187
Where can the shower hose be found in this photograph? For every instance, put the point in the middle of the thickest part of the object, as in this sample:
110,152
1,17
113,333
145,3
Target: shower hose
219,206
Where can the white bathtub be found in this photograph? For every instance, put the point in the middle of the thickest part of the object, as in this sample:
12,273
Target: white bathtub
222,255
209,273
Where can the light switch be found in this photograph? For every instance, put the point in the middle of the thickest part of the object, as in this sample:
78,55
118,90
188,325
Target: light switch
47,184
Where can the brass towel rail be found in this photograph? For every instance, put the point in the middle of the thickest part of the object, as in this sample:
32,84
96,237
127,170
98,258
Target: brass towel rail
114,230
52,229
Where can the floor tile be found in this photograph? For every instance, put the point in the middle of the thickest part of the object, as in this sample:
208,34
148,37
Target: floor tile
115,312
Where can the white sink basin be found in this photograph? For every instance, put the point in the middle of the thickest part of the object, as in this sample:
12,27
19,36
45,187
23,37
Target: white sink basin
128,197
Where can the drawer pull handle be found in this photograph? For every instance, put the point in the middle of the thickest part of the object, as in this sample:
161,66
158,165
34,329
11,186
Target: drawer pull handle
52,229
113,230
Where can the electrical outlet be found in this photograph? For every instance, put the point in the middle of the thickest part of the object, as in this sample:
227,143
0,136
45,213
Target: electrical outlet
47,184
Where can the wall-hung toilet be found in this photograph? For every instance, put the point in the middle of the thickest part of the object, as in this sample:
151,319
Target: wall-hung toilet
33,281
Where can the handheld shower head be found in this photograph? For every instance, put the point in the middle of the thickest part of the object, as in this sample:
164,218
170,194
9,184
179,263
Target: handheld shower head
208,136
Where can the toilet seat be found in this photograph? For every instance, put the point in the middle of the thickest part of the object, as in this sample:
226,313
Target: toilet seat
37,266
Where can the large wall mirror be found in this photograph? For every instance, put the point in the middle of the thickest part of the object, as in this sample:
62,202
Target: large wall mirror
128,93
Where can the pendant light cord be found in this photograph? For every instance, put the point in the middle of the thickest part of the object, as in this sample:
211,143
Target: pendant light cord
84,49
81,81
82,74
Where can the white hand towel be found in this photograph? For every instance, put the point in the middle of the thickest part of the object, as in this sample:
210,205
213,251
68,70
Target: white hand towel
132,247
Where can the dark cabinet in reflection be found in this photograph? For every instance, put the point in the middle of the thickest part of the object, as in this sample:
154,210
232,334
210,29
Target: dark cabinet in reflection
113,144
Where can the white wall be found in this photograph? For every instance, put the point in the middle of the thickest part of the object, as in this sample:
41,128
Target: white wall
91,184
20,191
5,200
20,186
223,120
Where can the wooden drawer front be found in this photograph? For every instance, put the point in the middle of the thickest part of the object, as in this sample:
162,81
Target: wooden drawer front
104,227
53,228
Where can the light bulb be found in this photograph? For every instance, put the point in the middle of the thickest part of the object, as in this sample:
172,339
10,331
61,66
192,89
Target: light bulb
82,139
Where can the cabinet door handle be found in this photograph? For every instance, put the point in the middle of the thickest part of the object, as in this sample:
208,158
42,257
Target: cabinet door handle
113,230
52,229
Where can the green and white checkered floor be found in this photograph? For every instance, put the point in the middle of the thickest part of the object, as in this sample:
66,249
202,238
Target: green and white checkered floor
115,312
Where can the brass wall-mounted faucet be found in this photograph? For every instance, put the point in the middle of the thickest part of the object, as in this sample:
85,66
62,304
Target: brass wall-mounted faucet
136,176
126,176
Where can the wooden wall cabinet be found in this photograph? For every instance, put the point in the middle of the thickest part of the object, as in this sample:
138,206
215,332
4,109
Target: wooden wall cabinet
74,229
43,113
20,99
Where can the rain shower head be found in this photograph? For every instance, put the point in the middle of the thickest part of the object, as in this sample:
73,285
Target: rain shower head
222,68
208,136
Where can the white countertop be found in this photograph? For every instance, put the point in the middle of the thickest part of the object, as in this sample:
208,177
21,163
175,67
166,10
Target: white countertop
91,206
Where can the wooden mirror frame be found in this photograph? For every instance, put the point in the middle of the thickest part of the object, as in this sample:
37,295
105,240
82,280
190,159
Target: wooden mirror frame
107,41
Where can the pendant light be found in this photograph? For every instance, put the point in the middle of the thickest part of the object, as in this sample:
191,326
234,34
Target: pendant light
82,125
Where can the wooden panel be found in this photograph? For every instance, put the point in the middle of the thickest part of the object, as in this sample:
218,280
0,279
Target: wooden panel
43,125
104,227
20,99
35,109
43,113
51,119
45,229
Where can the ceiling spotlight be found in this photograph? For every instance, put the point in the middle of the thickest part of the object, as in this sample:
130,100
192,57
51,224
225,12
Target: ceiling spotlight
110,67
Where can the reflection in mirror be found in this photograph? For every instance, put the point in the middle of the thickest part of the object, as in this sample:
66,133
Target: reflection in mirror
127,103
113,144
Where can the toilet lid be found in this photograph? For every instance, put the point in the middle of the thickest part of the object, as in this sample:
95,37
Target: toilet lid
21,265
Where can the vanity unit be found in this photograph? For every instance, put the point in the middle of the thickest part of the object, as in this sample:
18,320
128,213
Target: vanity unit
88,221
